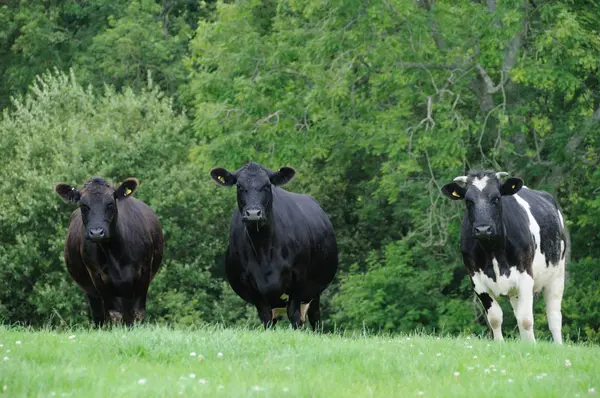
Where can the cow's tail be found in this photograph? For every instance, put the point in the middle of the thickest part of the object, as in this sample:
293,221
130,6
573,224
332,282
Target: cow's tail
567,254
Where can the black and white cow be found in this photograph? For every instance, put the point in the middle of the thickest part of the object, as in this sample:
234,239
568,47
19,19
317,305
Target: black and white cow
282,248
513,243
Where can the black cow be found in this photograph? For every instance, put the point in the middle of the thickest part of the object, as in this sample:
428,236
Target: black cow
282,249
513,242
114,248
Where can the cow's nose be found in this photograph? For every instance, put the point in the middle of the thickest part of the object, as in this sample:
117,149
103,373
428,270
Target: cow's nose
482,231
252,214
96,233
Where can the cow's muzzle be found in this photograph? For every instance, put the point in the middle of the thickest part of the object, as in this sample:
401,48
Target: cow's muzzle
483,231
253,215
96,234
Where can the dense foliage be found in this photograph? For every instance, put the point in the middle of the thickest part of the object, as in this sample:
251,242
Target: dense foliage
376,105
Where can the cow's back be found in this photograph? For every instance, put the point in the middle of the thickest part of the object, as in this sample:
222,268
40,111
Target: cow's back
141,230
303,224
547,229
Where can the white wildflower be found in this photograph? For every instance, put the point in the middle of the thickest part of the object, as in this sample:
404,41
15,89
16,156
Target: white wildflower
202,381
591,390
5,358
256,388
285,389
18,342
220,355
192,375
470,368
475,357
71,337
486,370
192,354
456,374
510,380
567,363
439,354
142,381
420,393
503,371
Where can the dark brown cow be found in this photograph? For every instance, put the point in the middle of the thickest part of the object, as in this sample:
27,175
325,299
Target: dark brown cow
114,248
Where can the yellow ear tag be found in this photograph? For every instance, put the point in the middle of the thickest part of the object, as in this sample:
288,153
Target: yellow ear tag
455,194
221,179
284,297
514,186
127,191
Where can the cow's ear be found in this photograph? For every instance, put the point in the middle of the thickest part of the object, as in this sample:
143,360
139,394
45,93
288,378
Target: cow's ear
127,188
454,191
283,176
223,177
67,193
511,186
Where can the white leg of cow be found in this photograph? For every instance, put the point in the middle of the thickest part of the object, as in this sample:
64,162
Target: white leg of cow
524,312
553,294
494,317
514,302
303,309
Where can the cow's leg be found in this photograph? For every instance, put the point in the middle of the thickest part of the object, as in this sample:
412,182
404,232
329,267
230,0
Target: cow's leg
112,306
97,309
314,312
128,305
139,304
553,294
524,307
493,313
514,303
293,311
265,314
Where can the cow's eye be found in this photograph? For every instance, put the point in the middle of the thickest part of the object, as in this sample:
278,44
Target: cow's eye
241,188
110,206
496,200
469,202
84,208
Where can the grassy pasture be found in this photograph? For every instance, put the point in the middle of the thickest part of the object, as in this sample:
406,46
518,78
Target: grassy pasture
157,361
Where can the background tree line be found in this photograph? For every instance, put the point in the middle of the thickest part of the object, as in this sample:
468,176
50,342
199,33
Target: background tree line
375,103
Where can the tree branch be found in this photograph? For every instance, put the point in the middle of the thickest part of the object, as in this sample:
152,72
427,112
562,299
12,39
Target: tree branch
433,24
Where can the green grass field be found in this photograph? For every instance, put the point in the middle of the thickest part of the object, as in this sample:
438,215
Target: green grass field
155,361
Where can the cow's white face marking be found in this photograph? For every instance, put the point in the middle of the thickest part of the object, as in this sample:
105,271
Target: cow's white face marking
480,183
